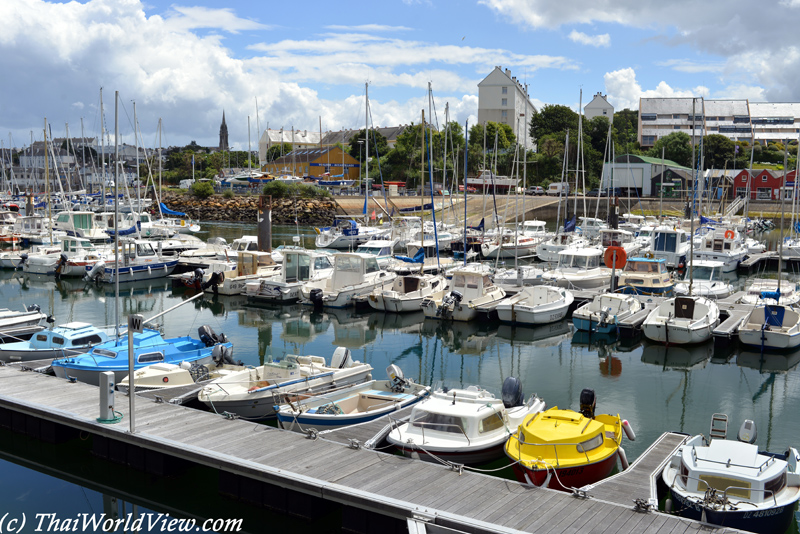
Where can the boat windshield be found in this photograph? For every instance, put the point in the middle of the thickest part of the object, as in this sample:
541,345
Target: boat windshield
702,273
641,267
438,421
665,242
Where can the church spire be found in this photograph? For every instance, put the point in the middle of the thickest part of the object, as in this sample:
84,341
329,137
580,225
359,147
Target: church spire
223,134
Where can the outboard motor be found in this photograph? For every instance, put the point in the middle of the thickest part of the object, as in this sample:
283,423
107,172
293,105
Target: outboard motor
33,308
449,302
62,260
207,335
588,403
22,259
341,358
96,272
747,432
316,298
396,378
512,392
222,355
216,280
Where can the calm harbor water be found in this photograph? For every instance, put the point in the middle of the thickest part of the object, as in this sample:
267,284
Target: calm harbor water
656,389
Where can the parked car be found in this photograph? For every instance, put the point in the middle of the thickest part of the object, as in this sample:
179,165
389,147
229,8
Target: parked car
535,190
597,193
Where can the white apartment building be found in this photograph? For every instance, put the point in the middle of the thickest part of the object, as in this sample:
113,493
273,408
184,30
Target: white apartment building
599,107
764,122
503,99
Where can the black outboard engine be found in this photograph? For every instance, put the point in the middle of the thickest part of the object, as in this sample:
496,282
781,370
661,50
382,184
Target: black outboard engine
33,308
216,280
588,403
207,335
316,298
222,354
512,392
197,279
747,432
62,260
22,259
449,302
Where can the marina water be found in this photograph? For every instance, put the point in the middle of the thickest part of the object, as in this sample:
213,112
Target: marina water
655,388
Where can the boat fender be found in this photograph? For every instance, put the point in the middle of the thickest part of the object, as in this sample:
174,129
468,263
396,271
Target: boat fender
668,505
626,426
623,458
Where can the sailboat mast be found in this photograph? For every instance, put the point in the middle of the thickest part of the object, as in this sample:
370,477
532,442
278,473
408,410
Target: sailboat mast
102,150
47,183
691,212
366,156
138,179
780,245
249,150
116,213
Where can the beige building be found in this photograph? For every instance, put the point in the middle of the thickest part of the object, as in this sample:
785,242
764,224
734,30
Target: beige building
315,161
503,99
599,107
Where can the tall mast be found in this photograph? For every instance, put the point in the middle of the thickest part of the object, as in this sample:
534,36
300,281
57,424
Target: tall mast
366,160
102,152
249,152
47,183
136,143
691,212
116,213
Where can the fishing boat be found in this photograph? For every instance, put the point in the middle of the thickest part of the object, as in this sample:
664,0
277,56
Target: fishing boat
469,288
732,483
535,305
149,348
138,261
463,425
406,293
682,320
605,312
590,227
724,245
14,324
671,244
579,268
707,280
254,392
299,267
564,449
352,405
646,276
76,256
64,340
354,274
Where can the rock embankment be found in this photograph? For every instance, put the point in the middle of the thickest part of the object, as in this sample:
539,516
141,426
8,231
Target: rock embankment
245,208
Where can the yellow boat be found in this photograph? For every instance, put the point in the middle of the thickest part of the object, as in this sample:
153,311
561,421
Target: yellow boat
564,449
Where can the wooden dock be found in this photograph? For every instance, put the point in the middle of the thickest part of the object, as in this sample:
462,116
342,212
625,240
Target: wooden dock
269,466
640,480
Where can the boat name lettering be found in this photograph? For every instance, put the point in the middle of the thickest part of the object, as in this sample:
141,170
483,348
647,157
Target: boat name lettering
572,471
764,513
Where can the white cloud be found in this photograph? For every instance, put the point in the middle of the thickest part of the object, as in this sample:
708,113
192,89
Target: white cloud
624,91
591,40
190,18
369,28
694,67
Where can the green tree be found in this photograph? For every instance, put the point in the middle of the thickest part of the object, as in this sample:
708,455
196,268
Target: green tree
677,147
551,119
378,146
505,136
719,152
626,131
595,132
202,189
277,150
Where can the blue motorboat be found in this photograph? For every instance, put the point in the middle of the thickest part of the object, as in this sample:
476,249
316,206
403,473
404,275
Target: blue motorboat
68,339
149,348
646,276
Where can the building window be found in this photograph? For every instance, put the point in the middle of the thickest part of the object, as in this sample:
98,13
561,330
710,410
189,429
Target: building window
648,116
648,140
764,193
605,112
764,178
676,127
505,90
504,102
676,116
741,192
504,114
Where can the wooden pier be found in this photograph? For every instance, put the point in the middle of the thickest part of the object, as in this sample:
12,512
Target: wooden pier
287,471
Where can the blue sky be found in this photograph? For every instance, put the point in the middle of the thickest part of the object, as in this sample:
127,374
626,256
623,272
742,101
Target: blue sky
186,62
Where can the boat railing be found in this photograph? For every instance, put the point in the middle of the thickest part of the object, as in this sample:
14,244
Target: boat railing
685,478
442,427
578,446
765,464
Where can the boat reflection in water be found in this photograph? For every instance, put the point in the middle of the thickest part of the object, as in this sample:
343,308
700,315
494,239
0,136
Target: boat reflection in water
605,345
545,335
683,357
768,362
470,338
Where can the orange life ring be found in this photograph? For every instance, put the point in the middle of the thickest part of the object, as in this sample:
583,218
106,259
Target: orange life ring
621,258
729,234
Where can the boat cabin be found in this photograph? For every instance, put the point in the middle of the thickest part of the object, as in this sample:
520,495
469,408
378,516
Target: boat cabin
646,266
70,335
350,268
470,283
250,262
579,259
615,238
668,240
719,240
533,227
245,243
380,248
300,266
76,246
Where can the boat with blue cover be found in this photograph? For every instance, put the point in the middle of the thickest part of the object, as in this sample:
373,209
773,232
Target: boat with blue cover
352,405
646,276
68,339
603,314
149,347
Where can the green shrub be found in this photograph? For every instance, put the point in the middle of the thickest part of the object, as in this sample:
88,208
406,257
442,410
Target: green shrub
228,193
202,189
278,189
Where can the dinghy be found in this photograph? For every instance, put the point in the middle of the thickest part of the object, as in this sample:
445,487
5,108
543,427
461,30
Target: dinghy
682,320
535,305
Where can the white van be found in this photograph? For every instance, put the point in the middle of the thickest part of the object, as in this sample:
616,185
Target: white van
558,189
186,184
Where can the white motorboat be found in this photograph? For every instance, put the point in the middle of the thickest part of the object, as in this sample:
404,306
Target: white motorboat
230,278
604,313
646,276
762,291
524,275
724,245
549,249
299,267
610,237
352,405
466,425
18,323
707,280
254,392
407,292
353,275
535,305
84,224
671,244
382,249
732,483
487,181
682,320
470,288
510,246
771,327
590,227
348,234
579,268
77,255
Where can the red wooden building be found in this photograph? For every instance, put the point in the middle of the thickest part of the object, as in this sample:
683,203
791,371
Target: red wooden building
764,184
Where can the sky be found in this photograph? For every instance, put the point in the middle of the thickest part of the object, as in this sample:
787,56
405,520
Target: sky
298,64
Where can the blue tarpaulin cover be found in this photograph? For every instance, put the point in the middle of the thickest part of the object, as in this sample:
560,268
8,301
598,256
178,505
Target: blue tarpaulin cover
129,231
419,257
166,211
